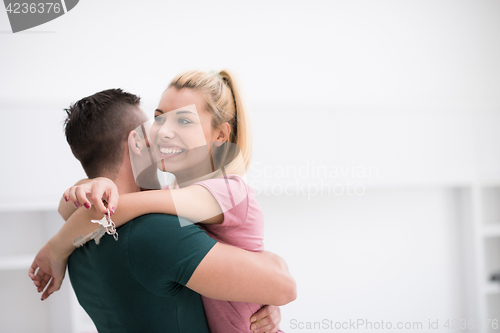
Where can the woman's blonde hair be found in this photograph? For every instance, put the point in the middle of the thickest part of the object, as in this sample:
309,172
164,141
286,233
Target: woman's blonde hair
224,101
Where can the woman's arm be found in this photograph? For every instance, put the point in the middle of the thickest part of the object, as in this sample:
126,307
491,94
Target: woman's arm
194,202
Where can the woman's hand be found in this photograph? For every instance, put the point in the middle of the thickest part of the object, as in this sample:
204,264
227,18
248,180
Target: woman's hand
267,319
49,266
93,193
51,270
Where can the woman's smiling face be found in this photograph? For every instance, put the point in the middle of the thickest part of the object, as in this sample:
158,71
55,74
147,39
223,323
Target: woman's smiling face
181,131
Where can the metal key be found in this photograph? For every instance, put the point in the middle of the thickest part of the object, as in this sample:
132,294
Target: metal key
96,235
106,226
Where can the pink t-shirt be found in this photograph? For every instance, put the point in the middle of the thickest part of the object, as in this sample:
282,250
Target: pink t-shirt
243,227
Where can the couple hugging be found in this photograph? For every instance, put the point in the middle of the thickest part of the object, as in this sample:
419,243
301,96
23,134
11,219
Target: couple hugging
190,255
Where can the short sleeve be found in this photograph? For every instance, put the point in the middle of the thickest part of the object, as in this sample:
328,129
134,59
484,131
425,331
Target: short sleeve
164,254
231,193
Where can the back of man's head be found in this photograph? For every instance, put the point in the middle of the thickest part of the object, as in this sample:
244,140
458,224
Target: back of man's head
97,129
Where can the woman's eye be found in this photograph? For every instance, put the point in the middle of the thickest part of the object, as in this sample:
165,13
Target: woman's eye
184,121
159,119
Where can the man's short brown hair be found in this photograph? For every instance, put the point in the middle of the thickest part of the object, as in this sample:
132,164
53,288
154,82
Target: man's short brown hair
97,129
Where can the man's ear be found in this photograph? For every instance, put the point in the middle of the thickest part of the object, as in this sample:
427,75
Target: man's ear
223,135
135,142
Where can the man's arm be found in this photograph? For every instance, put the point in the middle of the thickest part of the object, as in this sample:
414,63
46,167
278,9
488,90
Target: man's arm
232,274
225,272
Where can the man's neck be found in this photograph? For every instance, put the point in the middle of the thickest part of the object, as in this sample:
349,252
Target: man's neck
125,179
125,187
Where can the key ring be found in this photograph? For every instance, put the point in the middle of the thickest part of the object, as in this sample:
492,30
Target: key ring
111,229
108,225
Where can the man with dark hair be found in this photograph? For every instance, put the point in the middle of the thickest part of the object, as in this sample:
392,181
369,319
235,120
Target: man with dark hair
97,138
149,280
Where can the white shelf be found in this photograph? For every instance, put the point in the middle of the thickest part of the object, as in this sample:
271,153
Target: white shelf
486,222
492,182
23,203
16,262
18,205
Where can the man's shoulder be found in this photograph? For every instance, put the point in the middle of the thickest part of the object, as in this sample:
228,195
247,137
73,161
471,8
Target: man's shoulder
161,227
156,218
161,220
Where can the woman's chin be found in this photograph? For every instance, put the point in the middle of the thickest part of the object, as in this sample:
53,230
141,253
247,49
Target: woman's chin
166,165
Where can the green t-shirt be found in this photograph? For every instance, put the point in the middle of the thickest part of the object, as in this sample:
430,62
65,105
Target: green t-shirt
137,284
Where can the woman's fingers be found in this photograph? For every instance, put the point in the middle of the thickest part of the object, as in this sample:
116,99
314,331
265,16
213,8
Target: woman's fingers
66,195
39,276
46,293
54,285
107,190
32,270
40,280
265,325
43,283
72,196
97,194
78,195
81,196
112,199
267,319
93,193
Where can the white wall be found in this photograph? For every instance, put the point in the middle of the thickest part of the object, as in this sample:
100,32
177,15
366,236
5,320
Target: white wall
389,78
380,256
409,53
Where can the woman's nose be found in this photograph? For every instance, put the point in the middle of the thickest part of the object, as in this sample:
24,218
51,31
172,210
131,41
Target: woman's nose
166,131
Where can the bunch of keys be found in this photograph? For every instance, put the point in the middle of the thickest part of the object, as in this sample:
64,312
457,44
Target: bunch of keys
106,226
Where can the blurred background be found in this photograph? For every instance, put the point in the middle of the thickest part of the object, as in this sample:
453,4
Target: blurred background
376,146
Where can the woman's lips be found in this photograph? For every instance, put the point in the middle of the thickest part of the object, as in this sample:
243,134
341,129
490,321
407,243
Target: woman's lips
170,151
